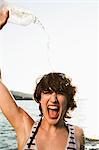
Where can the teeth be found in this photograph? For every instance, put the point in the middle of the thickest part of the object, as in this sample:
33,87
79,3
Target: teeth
53,107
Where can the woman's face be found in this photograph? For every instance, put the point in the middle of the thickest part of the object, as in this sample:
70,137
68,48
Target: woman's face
53,106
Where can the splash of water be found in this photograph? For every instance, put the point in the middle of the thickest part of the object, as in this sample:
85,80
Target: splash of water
25,17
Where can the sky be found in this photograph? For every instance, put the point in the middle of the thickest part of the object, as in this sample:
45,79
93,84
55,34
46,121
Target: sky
68,44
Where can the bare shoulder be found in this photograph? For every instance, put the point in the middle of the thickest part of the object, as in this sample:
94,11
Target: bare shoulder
79,134
79,131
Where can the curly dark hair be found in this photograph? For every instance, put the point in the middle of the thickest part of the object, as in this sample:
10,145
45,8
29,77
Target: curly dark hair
58,83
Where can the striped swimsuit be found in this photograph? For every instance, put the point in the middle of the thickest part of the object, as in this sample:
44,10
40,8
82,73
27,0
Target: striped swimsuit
31,143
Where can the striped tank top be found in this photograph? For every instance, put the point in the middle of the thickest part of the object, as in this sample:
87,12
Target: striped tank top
31,143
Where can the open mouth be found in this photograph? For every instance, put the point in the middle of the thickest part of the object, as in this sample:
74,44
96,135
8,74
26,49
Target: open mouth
53,111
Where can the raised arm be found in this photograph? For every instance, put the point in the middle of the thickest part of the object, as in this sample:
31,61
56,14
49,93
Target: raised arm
15,115
9,107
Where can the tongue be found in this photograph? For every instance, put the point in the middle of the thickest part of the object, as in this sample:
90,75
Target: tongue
53,114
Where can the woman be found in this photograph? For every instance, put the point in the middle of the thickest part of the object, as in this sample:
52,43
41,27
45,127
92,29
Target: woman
55,95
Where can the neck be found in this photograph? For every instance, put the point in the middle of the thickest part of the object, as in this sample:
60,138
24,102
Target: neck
50,127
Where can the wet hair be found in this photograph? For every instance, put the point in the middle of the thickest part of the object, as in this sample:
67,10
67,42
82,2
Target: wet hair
58,83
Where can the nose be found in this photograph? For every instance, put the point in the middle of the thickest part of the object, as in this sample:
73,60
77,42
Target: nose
54,98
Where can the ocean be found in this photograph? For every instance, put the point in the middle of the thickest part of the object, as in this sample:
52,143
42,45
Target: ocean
8,136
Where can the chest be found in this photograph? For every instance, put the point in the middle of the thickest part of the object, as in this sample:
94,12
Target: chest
41,140
52,142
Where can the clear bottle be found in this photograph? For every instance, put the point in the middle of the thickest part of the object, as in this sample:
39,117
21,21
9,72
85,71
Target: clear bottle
19,16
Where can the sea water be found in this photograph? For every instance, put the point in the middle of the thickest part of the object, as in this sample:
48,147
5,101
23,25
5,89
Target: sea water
8,136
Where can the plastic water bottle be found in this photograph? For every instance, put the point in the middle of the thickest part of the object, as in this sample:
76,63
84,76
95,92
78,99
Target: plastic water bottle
18,15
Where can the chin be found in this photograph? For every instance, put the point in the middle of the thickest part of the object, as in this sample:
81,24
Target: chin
53,121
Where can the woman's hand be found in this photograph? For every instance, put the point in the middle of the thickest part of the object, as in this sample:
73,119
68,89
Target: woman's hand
4,15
